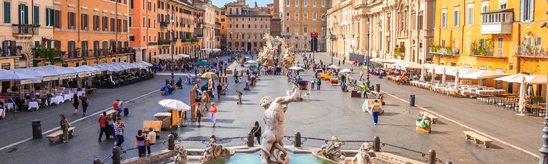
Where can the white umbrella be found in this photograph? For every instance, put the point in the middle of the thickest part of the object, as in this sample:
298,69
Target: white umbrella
412,66
145,63
234,66
174,104
422,74
45,76
443,77
522,91
531,79
296,68
510,77
457,82
8,75
333,66
345,71
483,75
462,71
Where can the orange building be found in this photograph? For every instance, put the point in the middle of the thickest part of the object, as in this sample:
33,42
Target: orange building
91,31
143,29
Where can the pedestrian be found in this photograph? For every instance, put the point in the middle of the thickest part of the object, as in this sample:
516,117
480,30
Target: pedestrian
376,109
75,103
63,122
219,89
119,132
365,91
199,112
85,103
103,125
116,107
256,130
205,100
339,62
239,97
361,75
319,83
312,80
213,114
352,69
151,138
140,143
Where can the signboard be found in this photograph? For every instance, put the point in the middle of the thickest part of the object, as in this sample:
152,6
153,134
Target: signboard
483,68
31,81
67,76
50,78
84,74
314,35
500,70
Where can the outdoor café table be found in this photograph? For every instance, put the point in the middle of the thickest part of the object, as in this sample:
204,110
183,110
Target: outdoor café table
81,93
33,104
8,105
67,96
2,113
57,100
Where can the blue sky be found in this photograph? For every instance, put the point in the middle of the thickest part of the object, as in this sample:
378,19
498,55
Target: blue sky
251,3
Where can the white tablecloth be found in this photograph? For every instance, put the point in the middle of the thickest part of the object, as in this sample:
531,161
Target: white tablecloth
33,105
8,105
80,93
2,113
68,96
57,100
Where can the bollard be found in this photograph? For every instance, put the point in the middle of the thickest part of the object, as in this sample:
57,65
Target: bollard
170,142
376,144
378,88
250,141
431,157
297,139
97,161
411,100
116,155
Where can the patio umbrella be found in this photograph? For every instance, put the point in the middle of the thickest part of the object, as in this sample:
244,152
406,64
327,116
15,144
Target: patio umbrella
484,75
7,75
345,71
174,104
457,82
461,71
209,75
443,77
531,79
422,74
202,63
522,91
145,63
333,67
433,76
296,68
235,66
510,77
45,76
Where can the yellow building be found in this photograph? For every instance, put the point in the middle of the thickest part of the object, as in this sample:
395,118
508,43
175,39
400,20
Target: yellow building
498,35
246,27
91,32
300,19
24,24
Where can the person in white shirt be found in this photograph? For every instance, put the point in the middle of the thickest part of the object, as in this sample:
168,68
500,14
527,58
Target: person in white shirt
151,137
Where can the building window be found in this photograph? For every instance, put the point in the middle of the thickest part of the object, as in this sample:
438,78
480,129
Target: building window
456,18
484,8
287,3
7,12
468,44
502,6
296,2
443,20
323,3
50,19
287,29
229,25
526,10
249,26
314,3
256,26
255,19
305,29
36,15
243,26
470,15
305,2
71,20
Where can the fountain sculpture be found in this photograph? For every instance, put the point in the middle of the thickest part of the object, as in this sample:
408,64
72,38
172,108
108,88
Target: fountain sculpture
332,150
214,151
274,115
363,156
275,50
181,157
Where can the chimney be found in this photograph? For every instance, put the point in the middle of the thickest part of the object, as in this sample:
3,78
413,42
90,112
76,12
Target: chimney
256,4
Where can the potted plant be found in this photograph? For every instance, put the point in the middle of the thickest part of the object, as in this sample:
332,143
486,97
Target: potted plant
10,47
20,48
474,48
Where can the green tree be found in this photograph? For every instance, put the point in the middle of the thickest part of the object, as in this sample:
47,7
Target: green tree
47,53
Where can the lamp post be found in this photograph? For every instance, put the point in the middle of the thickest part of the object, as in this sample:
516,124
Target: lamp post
367,51
543,159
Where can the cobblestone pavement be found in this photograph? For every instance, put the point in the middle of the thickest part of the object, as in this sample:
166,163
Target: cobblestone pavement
327,112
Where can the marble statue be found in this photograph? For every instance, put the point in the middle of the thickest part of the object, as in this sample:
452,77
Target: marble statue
332,150
181,157
272,149
274,50
214,151
363,157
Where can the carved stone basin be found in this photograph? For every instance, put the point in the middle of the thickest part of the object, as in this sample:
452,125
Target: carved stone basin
255,158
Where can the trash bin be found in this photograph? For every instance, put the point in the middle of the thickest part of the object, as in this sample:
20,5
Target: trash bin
36,129
411,100
378,88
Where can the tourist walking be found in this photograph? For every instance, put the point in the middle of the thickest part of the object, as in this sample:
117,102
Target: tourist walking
63,122
75,103
219,89
319,83
103,125
376,109
151,138
119,132
116,107
205,100
256,130
140,143
199,112
361,75
239,97
365,91
213,114
85,103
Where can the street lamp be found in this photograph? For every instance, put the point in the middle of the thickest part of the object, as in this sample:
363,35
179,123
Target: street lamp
368,57
544,149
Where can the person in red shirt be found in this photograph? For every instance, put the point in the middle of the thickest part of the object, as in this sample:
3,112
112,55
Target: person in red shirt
116,106
103,125
213,110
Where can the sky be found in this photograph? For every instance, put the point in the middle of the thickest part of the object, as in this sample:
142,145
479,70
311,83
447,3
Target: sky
251,3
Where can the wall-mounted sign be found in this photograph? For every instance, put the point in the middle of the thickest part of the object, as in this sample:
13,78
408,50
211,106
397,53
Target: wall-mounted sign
500,70
483,68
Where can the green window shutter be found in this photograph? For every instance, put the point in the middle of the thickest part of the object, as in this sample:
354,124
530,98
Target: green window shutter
26,10
51,17
47,16
7,12
19,8
36,13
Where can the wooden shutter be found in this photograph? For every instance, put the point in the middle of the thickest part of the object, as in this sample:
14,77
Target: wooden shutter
47,17
36,13
125,25
13,44
57,44
4,48
7,12
26,10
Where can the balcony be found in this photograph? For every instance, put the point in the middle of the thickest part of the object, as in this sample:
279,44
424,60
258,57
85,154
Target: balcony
286,34
73,54
164,24
488,53
25,30
444,51
497,22
152,43
120,51
531,52
164,42
98,52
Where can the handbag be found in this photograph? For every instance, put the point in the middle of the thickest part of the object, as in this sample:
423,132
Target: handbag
146,142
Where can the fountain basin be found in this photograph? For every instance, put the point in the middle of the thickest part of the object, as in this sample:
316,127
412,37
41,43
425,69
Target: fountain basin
295,158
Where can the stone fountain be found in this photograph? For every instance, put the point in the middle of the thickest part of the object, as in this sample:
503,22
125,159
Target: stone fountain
275,52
